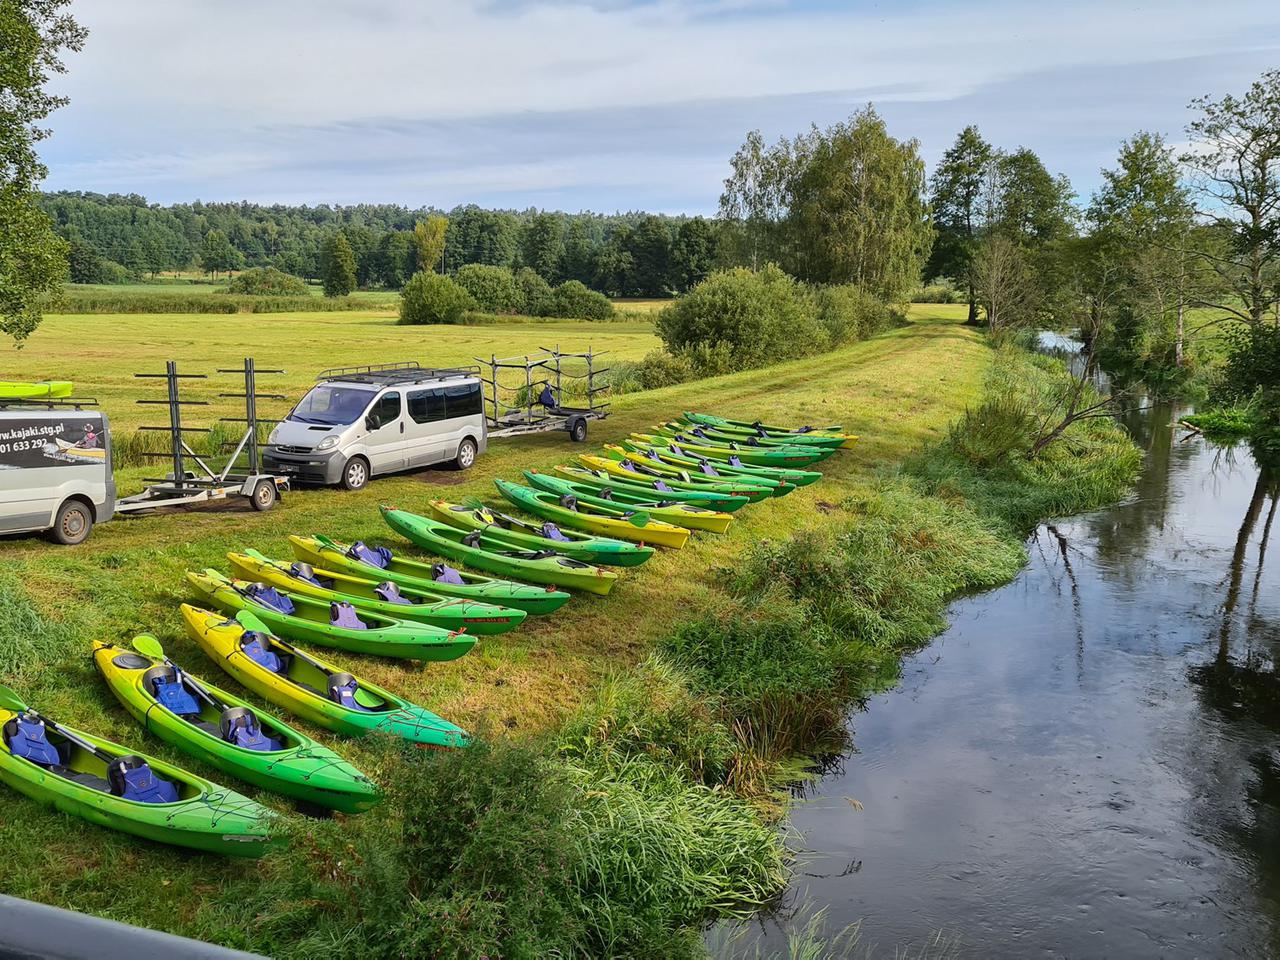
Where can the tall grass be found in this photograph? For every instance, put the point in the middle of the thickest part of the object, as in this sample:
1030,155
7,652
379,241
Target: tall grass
106,301
29,642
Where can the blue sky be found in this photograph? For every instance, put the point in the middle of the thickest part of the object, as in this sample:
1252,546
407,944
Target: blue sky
606,105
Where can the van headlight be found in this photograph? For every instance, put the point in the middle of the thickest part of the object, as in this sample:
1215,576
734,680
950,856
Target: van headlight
328,443
274,436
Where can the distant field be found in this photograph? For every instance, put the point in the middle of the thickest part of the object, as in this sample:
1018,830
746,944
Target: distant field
101,352
637,305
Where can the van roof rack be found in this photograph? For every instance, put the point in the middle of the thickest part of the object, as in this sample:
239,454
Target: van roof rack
30,403
388,374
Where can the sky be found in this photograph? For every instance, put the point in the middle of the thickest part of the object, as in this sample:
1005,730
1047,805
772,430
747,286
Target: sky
606,104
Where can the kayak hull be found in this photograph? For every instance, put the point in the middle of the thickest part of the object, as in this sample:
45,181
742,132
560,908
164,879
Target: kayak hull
775,486
835,432
219,638
594,519
603,550
442,539
384,637
665,454
599,479
535,601
39,390
206,817
681,514
754,492
455,613
304,770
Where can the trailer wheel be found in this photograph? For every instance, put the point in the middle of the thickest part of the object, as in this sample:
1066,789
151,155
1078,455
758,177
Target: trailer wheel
356,473
264,496
72,523
578,429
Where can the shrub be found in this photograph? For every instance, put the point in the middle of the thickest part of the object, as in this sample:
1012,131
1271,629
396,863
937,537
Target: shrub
572,299
494,289
535,292
431,298
939,290
759,316
848,313
662,369
267,282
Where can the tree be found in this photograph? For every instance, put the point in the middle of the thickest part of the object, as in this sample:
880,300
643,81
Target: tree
433,298
1235,162
650,248
33,259
578,262
956,193
428,238
337,266
396,260
217,254
693,255
1004,282
754,202
494,289
542,245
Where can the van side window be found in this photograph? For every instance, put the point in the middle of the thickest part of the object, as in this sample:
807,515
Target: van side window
426,406
463,400
387,408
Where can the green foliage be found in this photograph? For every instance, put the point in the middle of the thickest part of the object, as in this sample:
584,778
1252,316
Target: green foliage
542,245
338,266
572,299
939,290
267,282
694,254
848,313
956,192
494,289
429,241
432,298
758,316
33,259
128,301
217,255
662,369
535,293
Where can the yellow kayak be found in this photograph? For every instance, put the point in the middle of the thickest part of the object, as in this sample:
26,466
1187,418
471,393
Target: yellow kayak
43,390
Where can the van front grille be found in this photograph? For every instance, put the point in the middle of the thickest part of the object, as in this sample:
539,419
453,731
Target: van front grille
289,448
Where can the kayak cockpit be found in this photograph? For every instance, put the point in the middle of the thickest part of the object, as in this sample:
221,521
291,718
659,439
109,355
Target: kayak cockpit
301,671
193,703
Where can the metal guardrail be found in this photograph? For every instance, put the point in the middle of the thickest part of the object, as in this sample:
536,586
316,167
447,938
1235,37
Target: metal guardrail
34,931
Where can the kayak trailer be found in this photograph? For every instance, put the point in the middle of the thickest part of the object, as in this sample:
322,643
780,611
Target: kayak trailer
523,394
184,486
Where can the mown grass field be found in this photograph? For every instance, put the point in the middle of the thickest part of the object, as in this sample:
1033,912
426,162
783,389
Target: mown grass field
897,391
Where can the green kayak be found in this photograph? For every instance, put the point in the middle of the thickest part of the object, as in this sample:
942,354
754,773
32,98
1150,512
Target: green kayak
42,390
624,521
331,624
112,786
712,435
226,732
673,454
652,487
380,596
632,472
739,434
484,553
680,514
723,423
671,473
514,532
310,687
380,563
746,452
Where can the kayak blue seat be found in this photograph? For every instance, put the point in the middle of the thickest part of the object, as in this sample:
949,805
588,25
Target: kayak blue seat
166,684
131,778
343,614
342,690
304,572
240,726
552,532
254,646
388,592
28,738
661,485
269,596
735,462
708,469
374,556
443,573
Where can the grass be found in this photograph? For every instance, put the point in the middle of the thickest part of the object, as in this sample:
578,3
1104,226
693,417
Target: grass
659,765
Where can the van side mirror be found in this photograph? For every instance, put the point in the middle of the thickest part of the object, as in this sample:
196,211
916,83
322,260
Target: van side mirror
373,421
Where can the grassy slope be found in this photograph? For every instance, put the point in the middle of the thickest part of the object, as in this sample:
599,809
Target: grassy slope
896,390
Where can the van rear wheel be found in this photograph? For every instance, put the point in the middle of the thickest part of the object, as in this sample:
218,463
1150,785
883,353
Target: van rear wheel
466,457
356,473
72,523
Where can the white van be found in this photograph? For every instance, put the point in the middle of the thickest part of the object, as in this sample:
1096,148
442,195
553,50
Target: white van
360,422
55,469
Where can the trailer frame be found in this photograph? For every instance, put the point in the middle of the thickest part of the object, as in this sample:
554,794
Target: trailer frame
510,419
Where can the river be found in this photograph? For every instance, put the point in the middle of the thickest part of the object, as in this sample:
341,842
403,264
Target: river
1087,762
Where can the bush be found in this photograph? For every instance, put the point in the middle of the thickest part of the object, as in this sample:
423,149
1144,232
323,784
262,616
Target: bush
939,290
848,313
267,282
748,318
494,289
535,292
662,369
431,298
572,299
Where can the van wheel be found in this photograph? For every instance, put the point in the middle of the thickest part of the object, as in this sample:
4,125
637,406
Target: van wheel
356,473
72,523
466,457
264,495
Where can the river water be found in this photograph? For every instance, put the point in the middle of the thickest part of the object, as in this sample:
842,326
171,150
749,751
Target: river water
1087,762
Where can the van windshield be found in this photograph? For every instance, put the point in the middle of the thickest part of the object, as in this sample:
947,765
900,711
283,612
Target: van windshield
332,406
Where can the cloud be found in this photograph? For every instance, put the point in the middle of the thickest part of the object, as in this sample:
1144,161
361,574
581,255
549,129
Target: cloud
607,104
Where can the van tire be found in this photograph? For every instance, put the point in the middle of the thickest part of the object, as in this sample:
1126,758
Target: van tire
72,523
355,475
466,458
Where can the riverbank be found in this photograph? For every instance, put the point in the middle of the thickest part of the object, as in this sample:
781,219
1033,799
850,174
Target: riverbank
625,798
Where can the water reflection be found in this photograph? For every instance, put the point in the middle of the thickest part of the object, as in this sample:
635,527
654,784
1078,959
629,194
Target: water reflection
1087,763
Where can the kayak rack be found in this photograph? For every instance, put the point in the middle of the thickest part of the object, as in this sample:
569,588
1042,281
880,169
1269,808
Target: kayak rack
184,486
512,388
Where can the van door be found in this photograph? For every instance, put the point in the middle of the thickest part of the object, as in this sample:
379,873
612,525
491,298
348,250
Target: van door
464,410
386,444
426,441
